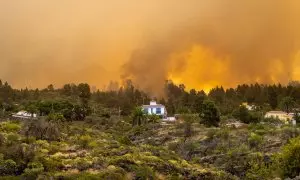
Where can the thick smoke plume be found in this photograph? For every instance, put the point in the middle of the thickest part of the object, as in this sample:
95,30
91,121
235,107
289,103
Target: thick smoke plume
202,43
226,43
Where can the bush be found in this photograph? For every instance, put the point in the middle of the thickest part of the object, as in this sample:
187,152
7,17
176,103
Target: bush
274,121
12,138
260,129
9,127
33,170
288,160
20,152
259,168
7,167
244,115
188,120
125,140
210,115
223,133
83,164
289,132
255,140
42,129
144,172
235,161
84,141
52,164
56,118
92,144
153,118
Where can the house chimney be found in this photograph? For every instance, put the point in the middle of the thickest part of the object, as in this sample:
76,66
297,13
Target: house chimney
153,103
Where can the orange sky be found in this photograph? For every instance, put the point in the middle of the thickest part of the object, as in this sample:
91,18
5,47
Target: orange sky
202,43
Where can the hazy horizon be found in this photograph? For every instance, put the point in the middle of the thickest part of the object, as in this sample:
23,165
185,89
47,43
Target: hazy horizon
201,43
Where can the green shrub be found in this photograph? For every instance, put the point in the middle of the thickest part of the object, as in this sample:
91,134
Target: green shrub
83,164
113,173
244,115
84,141
143,173
125,140
210,114
235,160
9,127
33,170
255,140
7,167
259,168
153,118
290,132
288,160
56,118
42,129
52,164
30,140
272,120
223,133
92,144
257,126
12,138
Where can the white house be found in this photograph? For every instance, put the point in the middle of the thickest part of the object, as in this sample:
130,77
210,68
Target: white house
249,107
24,115
283,116
154,108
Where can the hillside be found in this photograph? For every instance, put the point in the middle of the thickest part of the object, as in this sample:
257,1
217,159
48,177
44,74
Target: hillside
85,150
92,150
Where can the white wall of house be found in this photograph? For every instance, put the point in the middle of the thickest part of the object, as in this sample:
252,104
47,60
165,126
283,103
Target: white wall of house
152,110
280,115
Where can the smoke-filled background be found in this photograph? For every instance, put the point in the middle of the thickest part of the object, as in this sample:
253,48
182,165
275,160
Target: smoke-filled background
201,43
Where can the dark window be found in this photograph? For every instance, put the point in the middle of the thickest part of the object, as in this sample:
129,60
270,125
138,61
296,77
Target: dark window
158,110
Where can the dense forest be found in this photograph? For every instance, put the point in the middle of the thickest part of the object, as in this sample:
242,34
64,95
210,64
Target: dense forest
85,134
177,99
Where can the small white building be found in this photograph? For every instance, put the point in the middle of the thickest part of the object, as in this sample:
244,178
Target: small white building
169,119
249,107
154,108
24,115
283,116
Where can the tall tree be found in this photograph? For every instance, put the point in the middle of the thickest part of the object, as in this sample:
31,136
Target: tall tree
32,109
287,103
210,115
138,116
272,97
67,90
84,92
50,87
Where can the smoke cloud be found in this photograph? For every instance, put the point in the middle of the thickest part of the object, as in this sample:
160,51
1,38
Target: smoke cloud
202,43
227,43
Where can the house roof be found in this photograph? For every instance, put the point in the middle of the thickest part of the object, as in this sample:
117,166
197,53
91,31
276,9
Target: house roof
279,113
153,106
24,114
